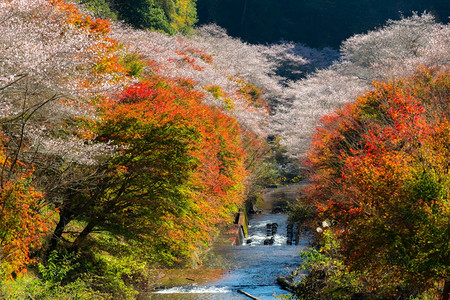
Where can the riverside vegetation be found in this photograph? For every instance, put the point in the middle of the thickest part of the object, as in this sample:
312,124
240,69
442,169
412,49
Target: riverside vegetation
123,149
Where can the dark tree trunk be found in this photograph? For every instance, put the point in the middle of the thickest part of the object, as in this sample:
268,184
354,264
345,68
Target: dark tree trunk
81,238
64,219
446,293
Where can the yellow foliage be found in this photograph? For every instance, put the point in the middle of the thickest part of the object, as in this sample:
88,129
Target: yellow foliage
184,16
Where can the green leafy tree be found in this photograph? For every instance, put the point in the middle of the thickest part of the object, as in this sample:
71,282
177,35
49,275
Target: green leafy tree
100,8
184,16
147,14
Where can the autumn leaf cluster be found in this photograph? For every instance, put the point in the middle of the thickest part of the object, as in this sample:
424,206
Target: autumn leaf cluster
380,174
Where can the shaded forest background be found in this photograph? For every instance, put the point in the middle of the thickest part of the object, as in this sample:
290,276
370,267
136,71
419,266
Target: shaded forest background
316,23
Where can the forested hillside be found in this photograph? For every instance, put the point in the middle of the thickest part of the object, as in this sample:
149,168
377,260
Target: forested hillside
315,23
126,145
168,16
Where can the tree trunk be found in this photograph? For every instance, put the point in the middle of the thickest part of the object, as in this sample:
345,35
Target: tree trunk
64,219
81,238
446,293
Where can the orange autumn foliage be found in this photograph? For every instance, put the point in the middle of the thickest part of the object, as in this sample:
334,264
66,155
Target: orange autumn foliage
197,152
380,169
106,48
23,222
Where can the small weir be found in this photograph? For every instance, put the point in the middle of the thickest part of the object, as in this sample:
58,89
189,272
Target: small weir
253,266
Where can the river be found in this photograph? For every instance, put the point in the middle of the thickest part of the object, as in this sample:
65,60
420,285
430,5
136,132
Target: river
251,267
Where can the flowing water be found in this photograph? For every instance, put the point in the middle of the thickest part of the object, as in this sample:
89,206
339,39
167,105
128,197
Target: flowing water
252,267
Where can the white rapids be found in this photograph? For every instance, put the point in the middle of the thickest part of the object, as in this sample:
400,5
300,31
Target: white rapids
254,266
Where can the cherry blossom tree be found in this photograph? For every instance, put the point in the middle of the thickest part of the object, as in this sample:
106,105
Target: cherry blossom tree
392,51
53,62
211,57
49,65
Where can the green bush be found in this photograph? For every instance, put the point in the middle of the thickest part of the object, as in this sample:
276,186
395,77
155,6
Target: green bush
29,286
329,277
58,266
134,64
99,8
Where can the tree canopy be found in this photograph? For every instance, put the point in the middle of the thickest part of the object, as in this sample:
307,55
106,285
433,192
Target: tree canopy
380,172
168,16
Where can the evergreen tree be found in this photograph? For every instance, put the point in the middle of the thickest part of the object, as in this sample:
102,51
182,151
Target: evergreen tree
146,14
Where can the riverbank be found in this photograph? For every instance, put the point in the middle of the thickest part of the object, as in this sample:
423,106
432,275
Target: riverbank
252,267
